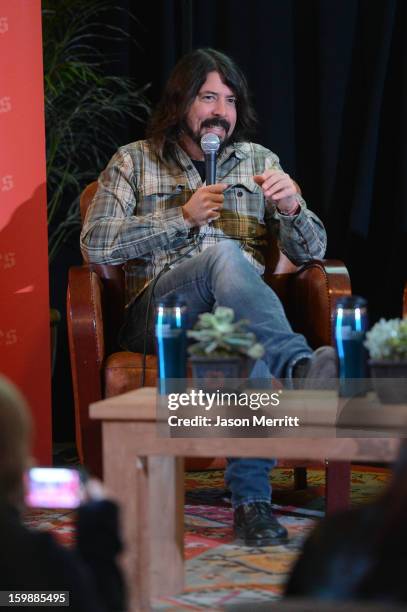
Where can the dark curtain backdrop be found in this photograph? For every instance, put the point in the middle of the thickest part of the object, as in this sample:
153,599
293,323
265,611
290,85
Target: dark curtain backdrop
329,82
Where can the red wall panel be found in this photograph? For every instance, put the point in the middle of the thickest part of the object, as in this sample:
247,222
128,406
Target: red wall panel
24,301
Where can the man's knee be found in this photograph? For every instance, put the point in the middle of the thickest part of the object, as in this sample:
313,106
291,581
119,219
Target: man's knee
227,264
227,247
226,252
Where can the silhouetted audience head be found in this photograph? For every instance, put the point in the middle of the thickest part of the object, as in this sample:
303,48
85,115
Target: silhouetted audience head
359,554
15,440
30,559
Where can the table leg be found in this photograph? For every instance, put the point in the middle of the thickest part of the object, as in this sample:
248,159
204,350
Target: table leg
125,477
150,493
166,517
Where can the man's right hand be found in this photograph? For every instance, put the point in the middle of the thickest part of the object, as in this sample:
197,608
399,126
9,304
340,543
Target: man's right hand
205,205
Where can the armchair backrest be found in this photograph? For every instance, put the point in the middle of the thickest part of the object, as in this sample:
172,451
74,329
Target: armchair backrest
112,278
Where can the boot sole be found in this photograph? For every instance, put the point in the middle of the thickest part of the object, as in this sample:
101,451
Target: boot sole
260,543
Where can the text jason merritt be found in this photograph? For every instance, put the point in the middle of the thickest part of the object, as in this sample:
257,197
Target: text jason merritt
253,421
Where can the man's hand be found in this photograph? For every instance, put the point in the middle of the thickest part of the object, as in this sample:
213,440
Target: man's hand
205,205
278,187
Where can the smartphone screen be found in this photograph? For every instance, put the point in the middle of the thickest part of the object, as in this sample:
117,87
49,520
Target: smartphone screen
53,488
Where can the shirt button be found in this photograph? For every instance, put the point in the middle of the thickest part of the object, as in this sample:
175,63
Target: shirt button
189,167
239,194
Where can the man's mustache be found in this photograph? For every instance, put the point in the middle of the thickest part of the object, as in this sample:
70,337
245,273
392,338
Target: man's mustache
216,122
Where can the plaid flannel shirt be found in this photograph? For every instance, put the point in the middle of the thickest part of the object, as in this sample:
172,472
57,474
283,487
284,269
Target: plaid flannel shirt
135,218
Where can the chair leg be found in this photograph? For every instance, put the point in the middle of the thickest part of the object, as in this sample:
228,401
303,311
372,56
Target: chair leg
337,486
300,478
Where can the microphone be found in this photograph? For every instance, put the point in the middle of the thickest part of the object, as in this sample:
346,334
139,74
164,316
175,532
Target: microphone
210,144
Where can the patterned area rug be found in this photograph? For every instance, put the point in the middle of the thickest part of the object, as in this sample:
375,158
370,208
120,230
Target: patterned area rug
219,572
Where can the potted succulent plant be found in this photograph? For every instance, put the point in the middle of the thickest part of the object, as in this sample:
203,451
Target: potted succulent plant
224,348
387,346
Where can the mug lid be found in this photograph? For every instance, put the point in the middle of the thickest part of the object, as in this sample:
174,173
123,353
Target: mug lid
351,301
171,301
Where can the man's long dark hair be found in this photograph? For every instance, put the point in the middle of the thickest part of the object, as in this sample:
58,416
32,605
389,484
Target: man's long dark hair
166,124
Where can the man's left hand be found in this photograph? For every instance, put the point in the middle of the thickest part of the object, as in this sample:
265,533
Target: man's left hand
279,188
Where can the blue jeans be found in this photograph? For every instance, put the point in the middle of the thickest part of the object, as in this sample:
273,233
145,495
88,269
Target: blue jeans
222,276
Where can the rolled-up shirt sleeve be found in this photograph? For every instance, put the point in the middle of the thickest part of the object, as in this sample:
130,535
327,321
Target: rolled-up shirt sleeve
113,231
301,237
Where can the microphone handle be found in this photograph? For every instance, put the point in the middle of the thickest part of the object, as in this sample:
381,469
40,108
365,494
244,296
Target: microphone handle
210,168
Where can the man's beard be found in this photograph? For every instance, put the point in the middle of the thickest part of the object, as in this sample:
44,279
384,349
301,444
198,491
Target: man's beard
208,123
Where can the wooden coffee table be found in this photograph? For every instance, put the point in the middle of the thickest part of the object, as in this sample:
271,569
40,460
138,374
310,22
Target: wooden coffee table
144,472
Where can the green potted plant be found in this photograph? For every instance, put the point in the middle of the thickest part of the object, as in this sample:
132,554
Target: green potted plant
85,104
224,349
387,346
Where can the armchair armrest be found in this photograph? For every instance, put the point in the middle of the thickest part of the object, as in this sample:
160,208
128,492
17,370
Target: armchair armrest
86,346
309,296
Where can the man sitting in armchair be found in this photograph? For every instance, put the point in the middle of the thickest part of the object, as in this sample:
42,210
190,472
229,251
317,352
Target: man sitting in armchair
154,213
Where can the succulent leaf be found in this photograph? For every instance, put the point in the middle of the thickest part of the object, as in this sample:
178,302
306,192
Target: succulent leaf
218,334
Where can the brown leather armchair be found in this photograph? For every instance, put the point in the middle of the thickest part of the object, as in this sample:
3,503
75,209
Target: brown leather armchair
95,305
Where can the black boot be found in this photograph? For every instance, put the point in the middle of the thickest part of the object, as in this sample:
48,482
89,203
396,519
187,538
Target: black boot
256,525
